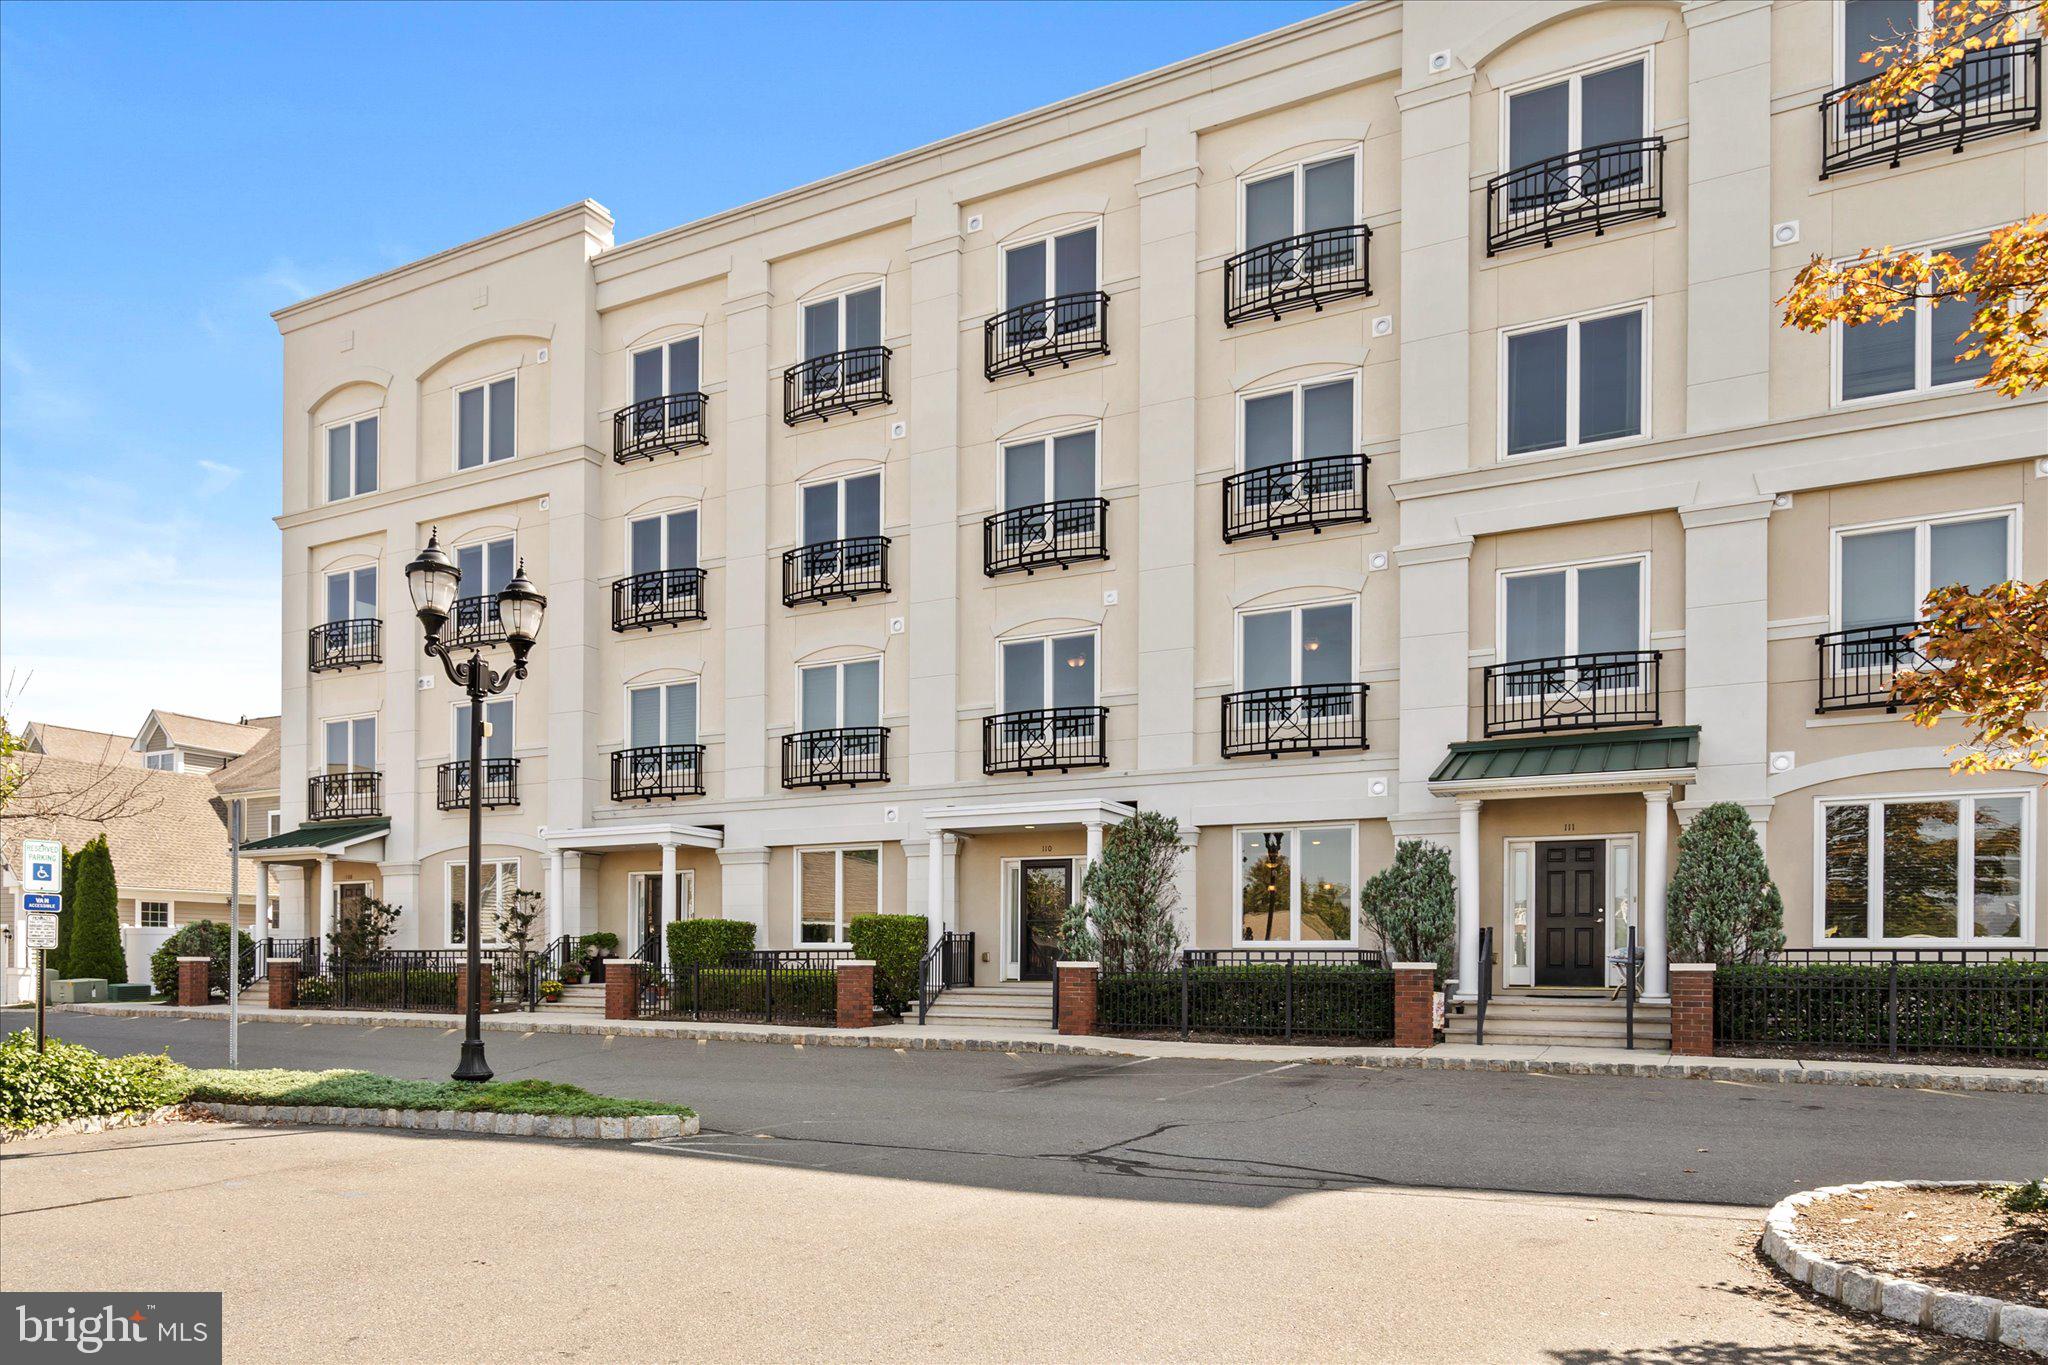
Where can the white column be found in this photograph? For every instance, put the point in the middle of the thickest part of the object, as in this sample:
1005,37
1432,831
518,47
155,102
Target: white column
1469,966
1094,844
325,918
554,927
669,900
1656,832
935,887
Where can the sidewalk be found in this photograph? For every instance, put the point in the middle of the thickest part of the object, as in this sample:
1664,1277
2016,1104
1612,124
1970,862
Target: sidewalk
1558,1061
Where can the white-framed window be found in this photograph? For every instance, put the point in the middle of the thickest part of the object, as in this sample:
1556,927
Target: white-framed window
844,695
666,540
1575,382
844,322
486,567
1593,608
1944,866
1298,645
486,422
845,508
1058,266
1053,468
161,760
499,878
276,822
352,458
351,744
1050,671
832,886
1297,885
1600,105
1918,353
661,713
1883,573
669,368
498,716
153,914
1307,196
352,594
1301,421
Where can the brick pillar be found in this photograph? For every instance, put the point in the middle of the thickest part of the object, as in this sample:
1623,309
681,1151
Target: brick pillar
1077,995
622,987
193,983
1415,1004
284,983
488,980
856,994
1692,1009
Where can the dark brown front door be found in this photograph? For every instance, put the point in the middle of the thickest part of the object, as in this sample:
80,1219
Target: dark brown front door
1046,891
1571,916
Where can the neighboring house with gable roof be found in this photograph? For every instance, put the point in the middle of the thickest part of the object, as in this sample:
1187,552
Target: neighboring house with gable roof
82,746
177,743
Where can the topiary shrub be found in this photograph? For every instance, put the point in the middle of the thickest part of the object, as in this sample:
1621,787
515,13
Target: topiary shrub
202,939
708,942
1722,906
95,949
1125,917
68,1081
1413,905
895,944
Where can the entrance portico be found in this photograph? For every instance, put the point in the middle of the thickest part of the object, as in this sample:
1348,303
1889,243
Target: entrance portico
573,860
309,860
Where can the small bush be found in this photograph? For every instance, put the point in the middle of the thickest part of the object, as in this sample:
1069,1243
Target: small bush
708,942
1350,1001
69,1082
2024,1205
1990,1007
95,949
1413,905
1723,906
895,944
603,943
203,939
315,992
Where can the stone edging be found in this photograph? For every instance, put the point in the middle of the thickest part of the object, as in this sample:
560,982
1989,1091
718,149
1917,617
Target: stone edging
639,1129
1910,1301
99,1123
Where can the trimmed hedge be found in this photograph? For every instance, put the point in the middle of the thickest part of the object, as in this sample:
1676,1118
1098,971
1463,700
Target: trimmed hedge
202,939
1351,1001
1991,1007
895,944
708,942
73,1082
740,994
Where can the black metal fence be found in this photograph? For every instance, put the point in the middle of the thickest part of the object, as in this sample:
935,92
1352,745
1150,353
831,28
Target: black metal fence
304,951
1994,91
949,962
500,778
423,980
771,990
1071,531
353,795
1888,1001
835,758
1038,335
672,422
354,643
1305,719
661,597
474,621
654,771
1303,271
1588,190
845,381
1857,667
1573,692
1345,994
1302,495
852,568
1061,737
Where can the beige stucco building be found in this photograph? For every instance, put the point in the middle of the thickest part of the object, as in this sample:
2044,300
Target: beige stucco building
1377,429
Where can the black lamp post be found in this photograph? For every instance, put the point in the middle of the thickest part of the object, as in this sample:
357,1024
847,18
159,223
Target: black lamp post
434,579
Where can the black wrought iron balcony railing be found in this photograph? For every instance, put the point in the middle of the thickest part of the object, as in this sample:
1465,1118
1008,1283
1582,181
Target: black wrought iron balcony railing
1058,737
662,597
653,772
1047,332
1304,271
1858,666
674,421
844,757
1302,495
845,381
1045,535
831,569
354,643
501,783
353,795
1588,190
1305,719
474,621
1988,93
1573,692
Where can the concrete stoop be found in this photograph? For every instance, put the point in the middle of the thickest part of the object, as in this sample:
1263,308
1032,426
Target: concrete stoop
1016,1004
1516,1018
585,998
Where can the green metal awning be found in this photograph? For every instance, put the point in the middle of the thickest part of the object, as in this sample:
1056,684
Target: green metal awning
320,834
1561,758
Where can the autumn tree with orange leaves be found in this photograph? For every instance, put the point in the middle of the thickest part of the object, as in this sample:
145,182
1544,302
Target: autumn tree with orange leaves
1986,653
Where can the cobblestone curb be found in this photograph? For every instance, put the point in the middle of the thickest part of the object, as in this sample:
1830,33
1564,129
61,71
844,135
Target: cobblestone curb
99,1123
1922,1305
641,1129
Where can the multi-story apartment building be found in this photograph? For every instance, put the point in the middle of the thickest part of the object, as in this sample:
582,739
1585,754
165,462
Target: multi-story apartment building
1377,429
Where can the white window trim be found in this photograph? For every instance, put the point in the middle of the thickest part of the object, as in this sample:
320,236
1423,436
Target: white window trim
1570,569
276,822
839,917
1573,78
1294,649
1354,150
1044,438
1965,870
671,913
177,760
1571,324
838,300
455,726
376,735
839,688
668,380
881,501
626,714
1294,832
326,588
1923,540
634,519
1624,903
455,420
170,914
1047,239
1046,637
455,553
487,926
1923,340
376,414
1296,386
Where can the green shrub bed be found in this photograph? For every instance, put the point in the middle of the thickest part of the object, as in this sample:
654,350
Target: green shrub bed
1352,1002
72,1082
708,942
895,944
1994,1008
740,995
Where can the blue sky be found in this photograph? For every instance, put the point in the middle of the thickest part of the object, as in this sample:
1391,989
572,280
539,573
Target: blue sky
170,174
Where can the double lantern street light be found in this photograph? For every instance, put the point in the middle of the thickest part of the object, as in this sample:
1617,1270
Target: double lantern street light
434,579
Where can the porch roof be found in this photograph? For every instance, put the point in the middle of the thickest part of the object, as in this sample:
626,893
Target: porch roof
641,834
320,834
1621,758
968,817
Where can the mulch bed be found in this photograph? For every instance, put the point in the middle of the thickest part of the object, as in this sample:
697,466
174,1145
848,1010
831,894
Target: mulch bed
1853,1054
1952,1239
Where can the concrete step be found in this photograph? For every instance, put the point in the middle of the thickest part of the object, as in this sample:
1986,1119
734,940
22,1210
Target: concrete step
1562,1034
952,1009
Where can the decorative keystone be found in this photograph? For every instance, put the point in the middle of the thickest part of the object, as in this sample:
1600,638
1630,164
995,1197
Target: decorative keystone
1414,1004
1076,989
856,1003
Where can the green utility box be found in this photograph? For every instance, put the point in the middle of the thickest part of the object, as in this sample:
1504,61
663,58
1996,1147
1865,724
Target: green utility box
129,991
82,990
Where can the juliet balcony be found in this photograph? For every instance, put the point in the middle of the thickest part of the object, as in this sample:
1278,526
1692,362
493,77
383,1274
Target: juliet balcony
1039,335
655,772
1305,271
335,645
1058,738
664,597
474,621
1045,535
1573,692
1301,495
846,757
673,422
1588,190
501,784
1989,93
1310,718
354,795
1857,667
843,382
832,569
